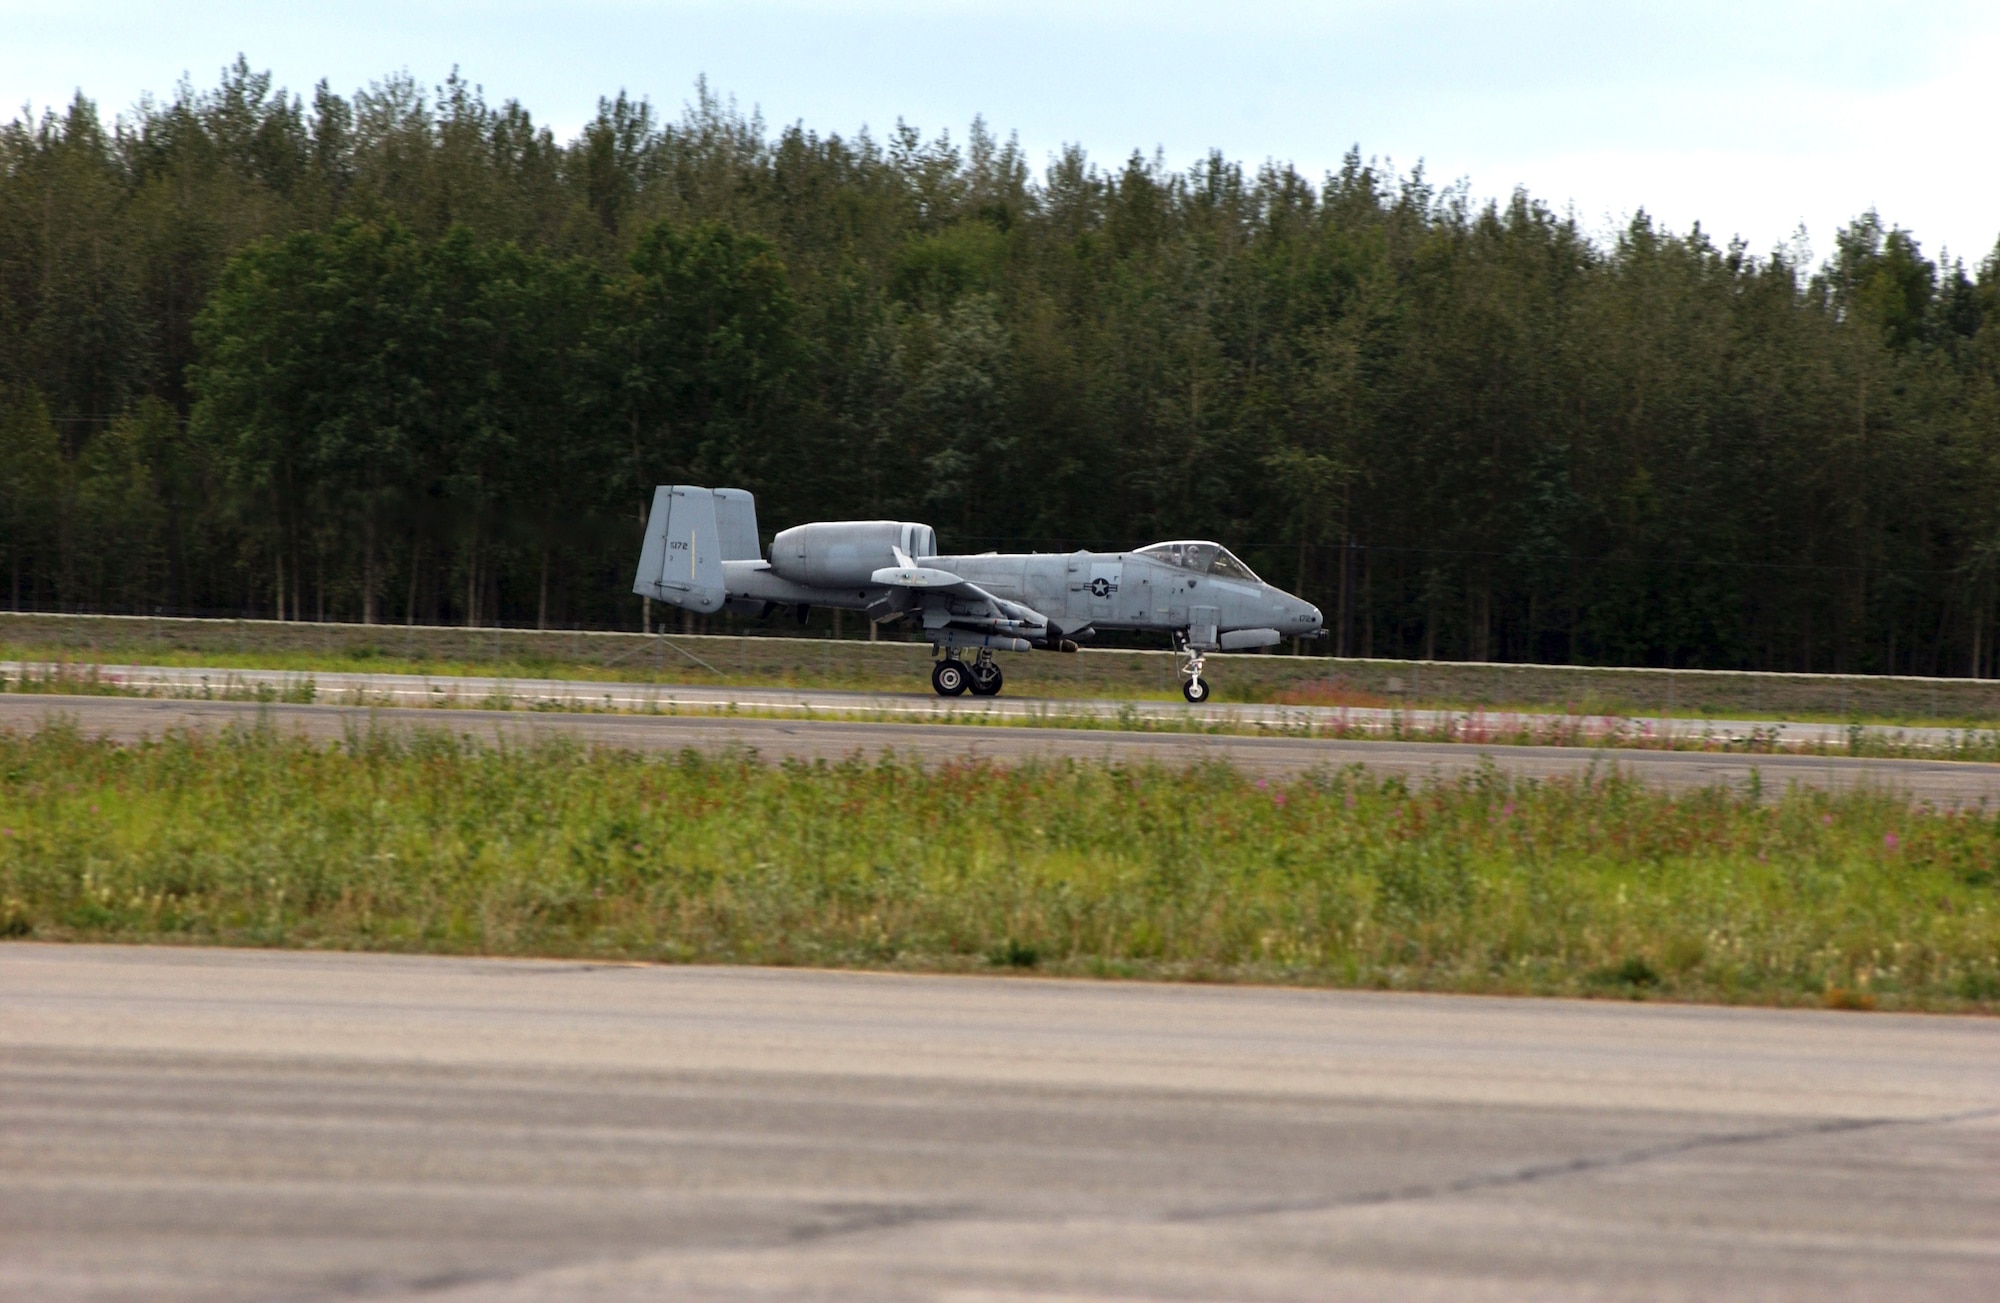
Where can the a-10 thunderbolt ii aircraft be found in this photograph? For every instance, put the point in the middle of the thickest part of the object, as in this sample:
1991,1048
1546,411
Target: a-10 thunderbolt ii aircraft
701,554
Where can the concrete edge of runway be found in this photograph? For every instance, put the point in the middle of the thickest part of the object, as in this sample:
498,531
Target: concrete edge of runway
1477,724
1470,728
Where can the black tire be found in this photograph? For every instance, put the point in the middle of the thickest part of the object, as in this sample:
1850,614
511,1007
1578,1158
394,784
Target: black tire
1195,690
986,680
949,678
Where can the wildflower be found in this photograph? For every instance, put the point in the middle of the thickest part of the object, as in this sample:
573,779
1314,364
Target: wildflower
1826,820
1889,840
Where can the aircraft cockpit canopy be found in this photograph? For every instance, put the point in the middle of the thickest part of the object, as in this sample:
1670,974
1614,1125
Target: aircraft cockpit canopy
1203,559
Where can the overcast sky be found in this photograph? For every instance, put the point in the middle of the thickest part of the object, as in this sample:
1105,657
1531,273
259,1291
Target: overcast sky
1751,117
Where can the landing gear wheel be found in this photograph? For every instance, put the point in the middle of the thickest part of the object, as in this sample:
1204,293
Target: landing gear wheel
986,679
949,678
1195,691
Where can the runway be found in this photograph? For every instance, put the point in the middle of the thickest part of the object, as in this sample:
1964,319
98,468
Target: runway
919,706
202,1124
1944,783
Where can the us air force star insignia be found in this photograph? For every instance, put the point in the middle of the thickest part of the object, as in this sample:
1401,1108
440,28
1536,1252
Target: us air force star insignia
1100,588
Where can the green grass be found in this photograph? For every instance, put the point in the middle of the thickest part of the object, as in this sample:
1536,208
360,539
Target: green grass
637,669
430,844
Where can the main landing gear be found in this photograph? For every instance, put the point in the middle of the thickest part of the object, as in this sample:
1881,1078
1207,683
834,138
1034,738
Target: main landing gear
986,676
1189,663
951,676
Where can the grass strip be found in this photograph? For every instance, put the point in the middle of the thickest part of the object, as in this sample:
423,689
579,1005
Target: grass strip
392,841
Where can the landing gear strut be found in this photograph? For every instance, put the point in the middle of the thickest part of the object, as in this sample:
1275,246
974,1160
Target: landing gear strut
986,676
1189,662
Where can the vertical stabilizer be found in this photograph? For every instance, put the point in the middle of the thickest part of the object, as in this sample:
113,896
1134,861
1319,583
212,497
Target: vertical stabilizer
681,560
736,517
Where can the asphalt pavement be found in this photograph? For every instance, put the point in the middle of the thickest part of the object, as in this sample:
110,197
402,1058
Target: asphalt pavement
1942,782
921,706
221,1125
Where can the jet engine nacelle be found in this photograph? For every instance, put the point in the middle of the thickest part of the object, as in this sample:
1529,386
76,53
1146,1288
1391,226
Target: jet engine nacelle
839,553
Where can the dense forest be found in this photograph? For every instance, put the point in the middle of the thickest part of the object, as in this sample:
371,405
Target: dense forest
407,356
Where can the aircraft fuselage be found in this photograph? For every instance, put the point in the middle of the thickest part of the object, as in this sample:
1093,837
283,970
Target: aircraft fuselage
1077,591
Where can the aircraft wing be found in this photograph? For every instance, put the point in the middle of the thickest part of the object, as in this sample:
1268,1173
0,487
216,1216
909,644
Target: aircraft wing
949,601
928,579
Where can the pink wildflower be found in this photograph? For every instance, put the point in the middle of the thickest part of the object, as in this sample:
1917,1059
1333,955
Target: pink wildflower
1889,840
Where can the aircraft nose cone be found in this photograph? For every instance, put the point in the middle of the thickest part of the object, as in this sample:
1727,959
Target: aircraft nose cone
1312,618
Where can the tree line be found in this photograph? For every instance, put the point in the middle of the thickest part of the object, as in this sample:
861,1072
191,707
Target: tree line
405,356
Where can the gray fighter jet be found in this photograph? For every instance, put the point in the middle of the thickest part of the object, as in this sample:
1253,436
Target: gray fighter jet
701,553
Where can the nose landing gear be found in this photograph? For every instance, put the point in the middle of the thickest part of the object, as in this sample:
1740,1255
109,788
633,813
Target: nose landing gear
1189,662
